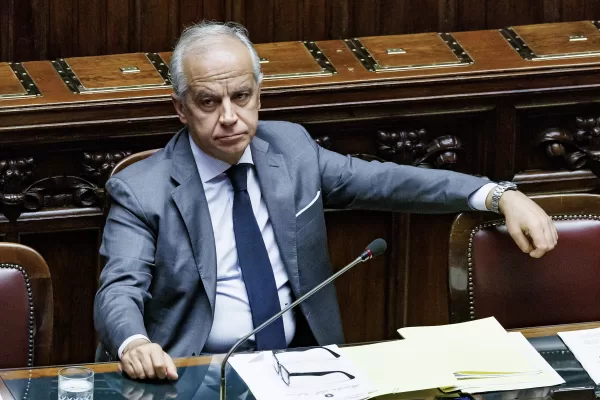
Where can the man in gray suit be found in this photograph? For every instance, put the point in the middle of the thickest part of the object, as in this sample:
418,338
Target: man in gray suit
224,226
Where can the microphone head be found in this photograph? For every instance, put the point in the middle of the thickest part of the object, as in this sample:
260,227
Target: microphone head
376,247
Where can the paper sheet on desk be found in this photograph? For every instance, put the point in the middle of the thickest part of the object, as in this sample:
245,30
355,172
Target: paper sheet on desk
585,345
265,384
400,366
479,348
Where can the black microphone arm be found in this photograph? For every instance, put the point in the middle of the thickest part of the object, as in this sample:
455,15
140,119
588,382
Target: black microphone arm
374,249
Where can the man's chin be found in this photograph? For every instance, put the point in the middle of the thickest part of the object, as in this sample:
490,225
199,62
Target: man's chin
233,152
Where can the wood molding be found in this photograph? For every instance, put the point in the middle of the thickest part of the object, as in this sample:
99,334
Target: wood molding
554,329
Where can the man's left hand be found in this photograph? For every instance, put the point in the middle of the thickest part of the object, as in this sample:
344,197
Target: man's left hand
529,226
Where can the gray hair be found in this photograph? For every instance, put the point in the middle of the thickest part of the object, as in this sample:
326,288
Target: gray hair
196,36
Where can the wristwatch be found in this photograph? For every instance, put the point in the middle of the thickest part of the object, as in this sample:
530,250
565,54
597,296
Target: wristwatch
498,192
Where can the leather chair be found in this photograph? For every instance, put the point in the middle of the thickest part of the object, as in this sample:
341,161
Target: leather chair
490,276
26,307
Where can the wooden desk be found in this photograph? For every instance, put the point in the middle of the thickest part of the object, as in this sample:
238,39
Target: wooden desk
198,378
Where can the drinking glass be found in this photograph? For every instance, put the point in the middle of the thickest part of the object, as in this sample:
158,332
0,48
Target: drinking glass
75,383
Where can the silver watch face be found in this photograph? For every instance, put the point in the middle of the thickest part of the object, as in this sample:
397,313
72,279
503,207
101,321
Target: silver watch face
508,185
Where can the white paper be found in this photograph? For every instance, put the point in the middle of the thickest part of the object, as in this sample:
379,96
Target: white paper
585,345
258,372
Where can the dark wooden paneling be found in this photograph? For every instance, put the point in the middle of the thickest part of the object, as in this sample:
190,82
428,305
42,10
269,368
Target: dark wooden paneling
574,10
259,18
471,15
92,29
6,29
158,21
339,19
428,277
62,30
38,29
287,23
363,290
30,29
514,12
365,17
409,17
120,26
315,22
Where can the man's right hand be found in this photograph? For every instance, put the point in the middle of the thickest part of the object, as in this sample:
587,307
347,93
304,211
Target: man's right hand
145,360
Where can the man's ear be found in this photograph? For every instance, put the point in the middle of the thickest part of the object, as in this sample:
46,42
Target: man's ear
179,106
259,86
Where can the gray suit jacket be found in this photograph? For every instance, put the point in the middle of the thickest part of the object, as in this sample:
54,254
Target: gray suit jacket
159,277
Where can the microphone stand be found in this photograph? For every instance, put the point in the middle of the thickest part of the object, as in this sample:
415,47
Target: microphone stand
366,255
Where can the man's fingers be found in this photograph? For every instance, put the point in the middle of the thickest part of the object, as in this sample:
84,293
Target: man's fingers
147,364
539,238
549,233
138,369
158,362
171,369
555,231
520,239
127,367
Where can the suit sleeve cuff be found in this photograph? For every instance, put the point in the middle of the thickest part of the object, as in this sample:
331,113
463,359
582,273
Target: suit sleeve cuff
478,197
129,340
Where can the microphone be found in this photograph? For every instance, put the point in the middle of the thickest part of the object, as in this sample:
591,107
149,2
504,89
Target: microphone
375,248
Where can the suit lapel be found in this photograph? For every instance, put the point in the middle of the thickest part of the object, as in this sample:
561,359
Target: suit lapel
276,188
193,207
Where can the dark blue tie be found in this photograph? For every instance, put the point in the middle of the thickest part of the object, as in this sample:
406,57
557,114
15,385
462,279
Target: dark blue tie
254,262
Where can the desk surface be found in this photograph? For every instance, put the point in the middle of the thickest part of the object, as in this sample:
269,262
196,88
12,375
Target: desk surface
199,379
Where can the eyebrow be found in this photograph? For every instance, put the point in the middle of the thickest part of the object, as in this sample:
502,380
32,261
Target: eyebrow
244,88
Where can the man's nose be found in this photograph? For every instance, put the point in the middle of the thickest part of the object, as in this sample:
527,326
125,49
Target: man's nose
228,114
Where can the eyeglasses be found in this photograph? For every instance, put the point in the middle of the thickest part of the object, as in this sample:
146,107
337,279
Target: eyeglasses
286,375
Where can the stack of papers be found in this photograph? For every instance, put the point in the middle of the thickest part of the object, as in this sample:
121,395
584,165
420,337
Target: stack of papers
484,357
473,357
585,345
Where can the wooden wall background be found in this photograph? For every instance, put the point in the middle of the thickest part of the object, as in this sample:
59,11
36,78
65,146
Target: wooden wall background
47,29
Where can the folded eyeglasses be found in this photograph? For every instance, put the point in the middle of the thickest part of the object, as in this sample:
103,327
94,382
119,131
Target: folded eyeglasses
286,375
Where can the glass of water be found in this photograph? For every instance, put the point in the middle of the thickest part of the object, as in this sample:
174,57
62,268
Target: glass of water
75,383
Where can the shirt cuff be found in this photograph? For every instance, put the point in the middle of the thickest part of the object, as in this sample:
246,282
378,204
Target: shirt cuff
477,198
129,340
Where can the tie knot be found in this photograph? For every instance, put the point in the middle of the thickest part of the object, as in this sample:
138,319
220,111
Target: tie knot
238,175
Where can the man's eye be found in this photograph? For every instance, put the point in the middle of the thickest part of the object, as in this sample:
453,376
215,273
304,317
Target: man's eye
207,102
242,96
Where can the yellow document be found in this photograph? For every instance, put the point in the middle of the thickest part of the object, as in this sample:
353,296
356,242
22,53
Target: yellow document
475,349
547,376
400,366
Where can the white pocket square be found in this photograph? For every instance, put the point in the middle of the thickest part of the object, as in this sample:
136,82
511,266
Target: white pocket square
309,204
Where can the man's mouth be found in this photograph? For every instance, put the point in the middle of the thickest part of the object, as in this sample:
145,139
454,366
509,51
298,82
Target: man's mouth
233,136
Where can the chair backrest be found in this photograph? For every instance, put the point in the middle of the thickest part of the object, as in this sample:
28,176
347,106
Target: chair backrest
26,307
127,161
490,276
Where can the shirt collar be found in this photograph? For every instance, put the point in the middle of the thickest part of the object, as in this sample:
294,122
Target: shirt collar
210,167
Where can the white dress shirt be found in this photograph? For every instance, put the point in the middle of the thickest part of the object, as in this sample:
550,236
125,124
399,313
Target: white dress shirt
232,317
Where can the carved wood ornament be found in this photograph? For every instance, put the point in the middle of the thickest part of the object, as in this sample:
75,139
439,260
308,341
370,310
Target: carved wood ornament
97,166
578,147
51,192
415,148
